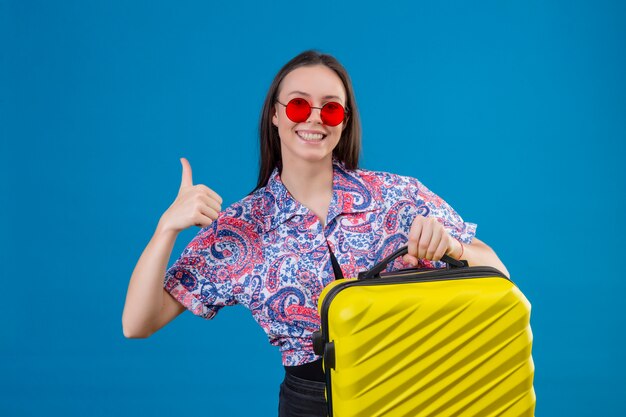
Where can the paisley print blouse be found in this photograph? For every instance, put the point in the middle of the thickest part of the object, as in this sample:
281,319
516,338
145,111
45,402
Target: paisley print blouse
271,254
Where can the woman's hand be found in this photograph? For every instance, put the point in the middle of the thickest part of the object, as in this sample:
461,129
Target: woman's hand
195,205
429,240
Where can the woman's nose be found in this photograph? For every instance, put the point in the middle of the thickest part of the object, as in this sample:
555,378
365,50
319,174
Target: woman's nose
315,116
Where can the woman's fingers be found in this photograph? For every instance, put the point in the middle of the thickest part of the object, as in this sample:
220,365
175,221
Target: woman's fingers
441,249
434,243
210,202
410,259
414,237
210,193
427,240
202,220
208,208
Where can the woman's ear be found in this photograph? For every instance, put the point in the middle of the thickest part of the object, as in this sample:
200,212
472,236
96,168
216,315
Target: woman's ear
275,118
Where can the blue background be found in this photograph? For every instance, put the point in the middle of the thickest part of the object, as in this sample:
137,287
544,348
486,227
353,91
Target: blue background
513,112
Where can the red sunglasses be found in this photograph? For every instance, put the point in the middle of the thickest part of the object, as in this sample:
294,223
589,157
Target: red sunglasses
298,110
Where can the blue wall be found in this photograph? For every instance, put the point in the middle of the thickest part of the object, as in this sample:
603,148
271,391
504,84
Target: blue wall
513,112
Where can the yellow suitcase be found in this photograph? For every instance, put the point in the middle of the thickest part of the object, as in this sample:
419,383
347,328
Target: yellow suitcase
435,342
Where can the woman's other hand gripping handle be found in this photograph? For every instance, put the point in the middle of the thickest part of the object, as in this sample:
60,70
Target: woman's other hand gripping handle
428,239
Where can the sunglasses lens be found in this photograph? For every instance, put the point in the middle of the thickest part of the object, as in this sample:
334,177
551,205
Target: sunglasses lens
332,113
298,110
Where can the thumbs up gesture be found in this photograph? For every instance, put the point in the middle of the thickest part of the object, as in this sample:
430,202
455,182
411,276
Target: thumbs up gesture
195,205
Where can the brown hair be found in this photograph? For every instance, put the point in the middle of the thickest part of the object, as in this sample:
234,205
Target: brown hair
349,147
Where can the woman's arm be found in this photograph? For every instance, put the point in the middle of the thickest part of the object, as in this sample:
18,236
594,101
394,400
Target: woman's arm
148,306
478,253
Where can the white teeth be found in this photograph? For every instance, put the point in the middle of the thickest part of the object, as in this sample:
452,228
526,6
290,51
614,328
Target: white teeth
311,136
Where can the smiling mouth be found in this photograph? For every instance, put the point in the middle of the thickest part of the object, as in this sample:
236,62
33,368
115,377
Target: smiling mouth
311,137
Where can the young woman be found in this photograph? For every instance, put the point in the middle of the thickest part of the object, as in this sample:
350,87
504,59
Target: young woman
313,217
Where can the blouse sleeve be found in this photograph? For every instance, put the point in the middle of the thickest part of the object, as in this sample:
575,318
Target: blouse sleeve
202,277
430,204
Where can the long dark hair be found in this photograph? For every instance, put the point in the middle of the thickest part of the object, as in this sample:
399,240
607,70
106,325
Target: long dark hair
349,146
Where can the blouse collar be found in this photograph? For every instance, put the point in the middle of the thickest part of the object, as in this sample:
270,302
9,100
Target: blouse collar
351,194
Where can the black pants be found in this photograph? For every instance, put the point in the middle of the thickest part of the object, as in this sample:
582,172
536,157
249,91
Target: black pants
301,398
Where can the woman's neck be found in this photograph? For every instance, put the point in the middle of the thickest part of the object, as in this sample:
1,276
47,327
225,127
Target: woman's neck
310,183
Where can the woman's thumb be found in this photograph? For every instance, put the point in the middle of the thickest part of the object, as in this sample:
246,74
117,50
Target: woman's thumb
186,180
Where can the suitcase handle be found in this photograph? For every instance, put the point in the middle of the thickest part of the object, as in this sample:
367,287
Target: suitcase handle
380,267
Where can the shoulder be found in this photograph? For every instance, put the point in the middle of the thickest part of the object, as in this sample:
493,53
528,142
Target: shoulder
384,184
389,189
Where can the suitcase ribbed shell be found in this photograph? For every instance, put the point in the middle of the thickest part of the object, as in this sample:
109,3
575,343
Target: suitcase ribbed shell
459,347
